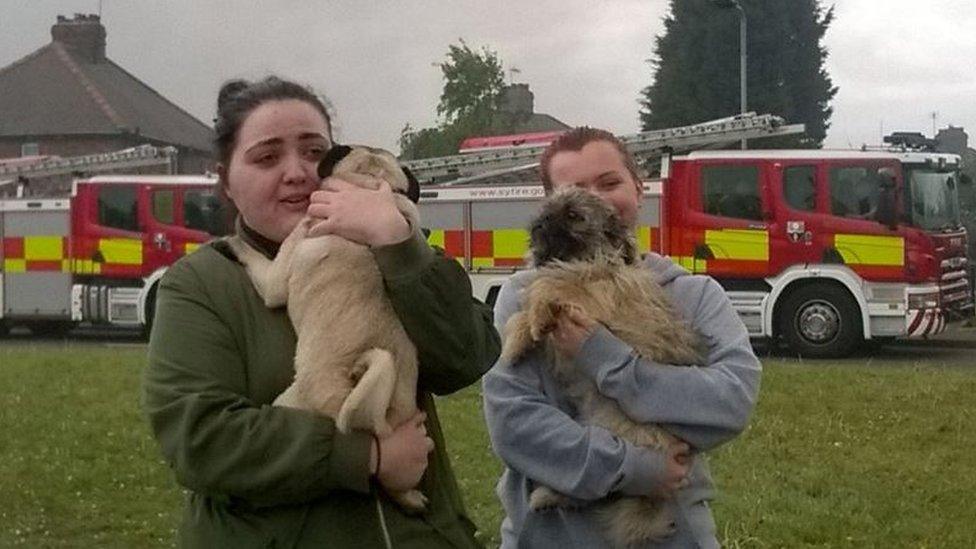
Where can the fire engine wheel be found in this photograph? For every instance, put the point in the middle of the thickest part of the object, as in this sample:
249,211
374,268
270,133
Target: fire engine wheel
821,321
150,311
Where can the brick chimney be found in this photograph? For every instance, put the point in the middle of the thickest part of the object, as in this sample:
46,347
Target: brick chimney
517,99
952,140
82,35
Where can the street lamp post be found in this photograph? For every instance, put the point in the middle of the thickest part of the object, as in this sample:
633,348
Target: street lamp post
742,61
743,58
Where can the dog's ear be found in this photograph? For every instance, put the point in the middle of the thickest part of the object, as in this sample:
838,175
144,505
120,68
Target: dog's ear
413,186
331,158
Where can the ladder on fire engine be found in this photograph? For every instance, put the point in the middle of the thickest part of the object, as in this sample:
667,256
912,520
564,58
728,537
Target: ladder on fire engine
504,164
135,157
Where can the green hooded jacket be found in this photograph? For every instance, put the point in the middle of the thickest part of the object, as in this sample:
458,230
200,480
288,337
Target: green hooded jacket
263,476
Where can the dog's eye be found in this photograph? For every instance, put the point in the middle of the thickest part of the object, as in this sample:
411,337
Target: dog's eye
573,216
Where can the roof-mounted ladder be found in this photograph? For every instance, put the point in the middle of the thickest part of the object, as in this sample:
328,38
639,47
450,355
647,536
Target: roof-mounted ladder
488,165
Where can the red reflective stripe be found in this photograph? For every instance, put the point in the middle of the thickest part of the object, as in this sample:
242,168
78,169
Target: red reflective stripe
736,266
915,322
117,269
454,243
481,244
876,272
37,265
509,261
928,325
13,247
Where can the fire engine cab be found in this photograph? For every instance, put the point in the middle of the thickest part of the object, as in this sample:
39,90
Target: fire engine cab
821,249
97,255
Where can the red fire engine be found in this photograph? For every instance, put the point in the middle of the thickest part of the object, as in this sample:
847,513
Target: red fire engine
97,255
822,249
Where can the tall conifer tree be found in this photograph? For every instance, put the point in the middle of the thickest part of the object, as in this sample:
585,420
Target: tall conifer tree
696,69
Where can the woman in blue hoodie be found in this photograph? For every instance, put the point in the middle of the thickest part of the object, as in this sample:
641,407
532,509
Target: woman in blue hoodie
532,425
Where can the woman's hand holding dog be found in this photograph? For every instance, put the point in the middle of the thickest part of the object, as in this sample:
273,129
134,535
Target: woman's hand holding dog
677,465
573,327
356,213
403,455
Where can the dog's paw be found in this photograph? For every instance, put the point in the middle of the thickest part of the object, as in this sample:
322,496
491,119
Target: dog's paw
412,501
543,498
634,521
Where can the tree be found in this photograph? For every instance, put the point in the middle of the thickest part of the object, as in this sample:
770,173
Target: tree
696,69
473,83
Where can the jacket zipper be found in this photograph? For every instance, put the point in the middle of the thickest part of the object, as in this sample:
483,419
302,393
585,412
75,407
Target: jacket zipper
383,528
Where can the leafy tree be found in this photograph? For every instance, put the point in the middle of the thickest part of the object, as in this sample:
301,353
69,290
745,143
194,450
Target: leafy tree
696,69
473,82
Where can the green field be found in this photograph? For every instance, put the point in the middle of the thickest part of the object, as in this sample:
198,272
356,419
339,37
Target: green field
838,455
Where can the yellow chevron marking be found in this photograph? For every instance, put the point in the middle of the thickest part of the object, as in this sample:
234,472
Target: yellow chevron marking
643,239
510,242
15,265
43,248
745,244
691,264
859,249
122,251
436,238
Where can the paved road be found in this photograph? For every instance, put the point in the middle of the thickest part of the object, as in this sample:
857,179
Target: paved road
956,347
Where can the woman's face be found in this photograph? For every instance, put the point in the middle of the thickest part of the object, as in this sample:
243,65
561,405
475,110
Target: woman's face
273,167
599,169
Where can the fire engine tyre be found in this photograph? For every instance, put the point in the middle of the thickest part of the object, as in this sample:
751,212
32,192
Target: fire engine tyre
821,321
150,311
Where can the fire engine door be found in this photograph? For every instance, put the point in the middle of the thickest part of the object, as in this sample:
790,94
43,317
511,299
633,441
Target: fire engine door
162,244
859,194
726,227
796,233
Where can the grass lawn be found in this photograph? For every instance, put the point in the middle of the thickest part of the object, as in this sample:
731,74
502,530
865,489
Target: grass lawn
838,455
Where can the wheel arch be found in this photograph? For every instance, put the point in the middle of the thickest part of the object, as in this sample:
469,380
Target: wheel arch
148,292
793,279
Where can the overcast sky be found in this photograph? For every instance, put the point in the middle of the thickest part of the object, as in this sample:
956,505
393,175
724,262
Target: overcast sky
895,61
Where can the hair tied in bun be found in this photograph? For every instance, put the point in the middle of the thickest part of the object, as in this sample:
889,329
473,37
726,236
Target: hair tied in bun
230,89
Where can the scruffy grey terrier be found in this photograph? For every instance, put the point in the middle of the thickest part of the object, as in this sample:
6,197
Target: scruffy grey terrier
586,261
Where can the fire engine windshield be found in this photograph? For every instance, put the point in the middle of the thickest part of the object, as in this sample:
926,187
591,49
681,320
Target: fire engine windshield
933,199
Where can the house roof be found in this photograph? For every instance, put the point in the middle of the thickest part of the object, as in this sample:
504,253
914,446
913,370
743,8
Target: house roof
540,122
57,91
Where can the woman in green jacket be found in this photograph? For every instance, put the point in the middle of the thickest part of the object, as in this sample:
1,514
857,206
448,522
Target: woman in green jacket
264,476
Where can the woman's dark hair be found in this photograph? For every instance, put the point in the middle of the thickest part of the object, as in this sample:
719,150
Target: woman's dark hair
236,100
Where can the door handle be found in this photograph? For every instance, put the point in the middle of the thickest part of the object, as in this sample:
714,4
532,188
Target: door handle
161,242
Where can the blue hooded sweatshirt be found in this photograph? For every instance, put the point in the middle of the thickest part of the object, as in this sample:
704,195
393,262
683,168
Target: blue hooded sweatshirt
534,431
